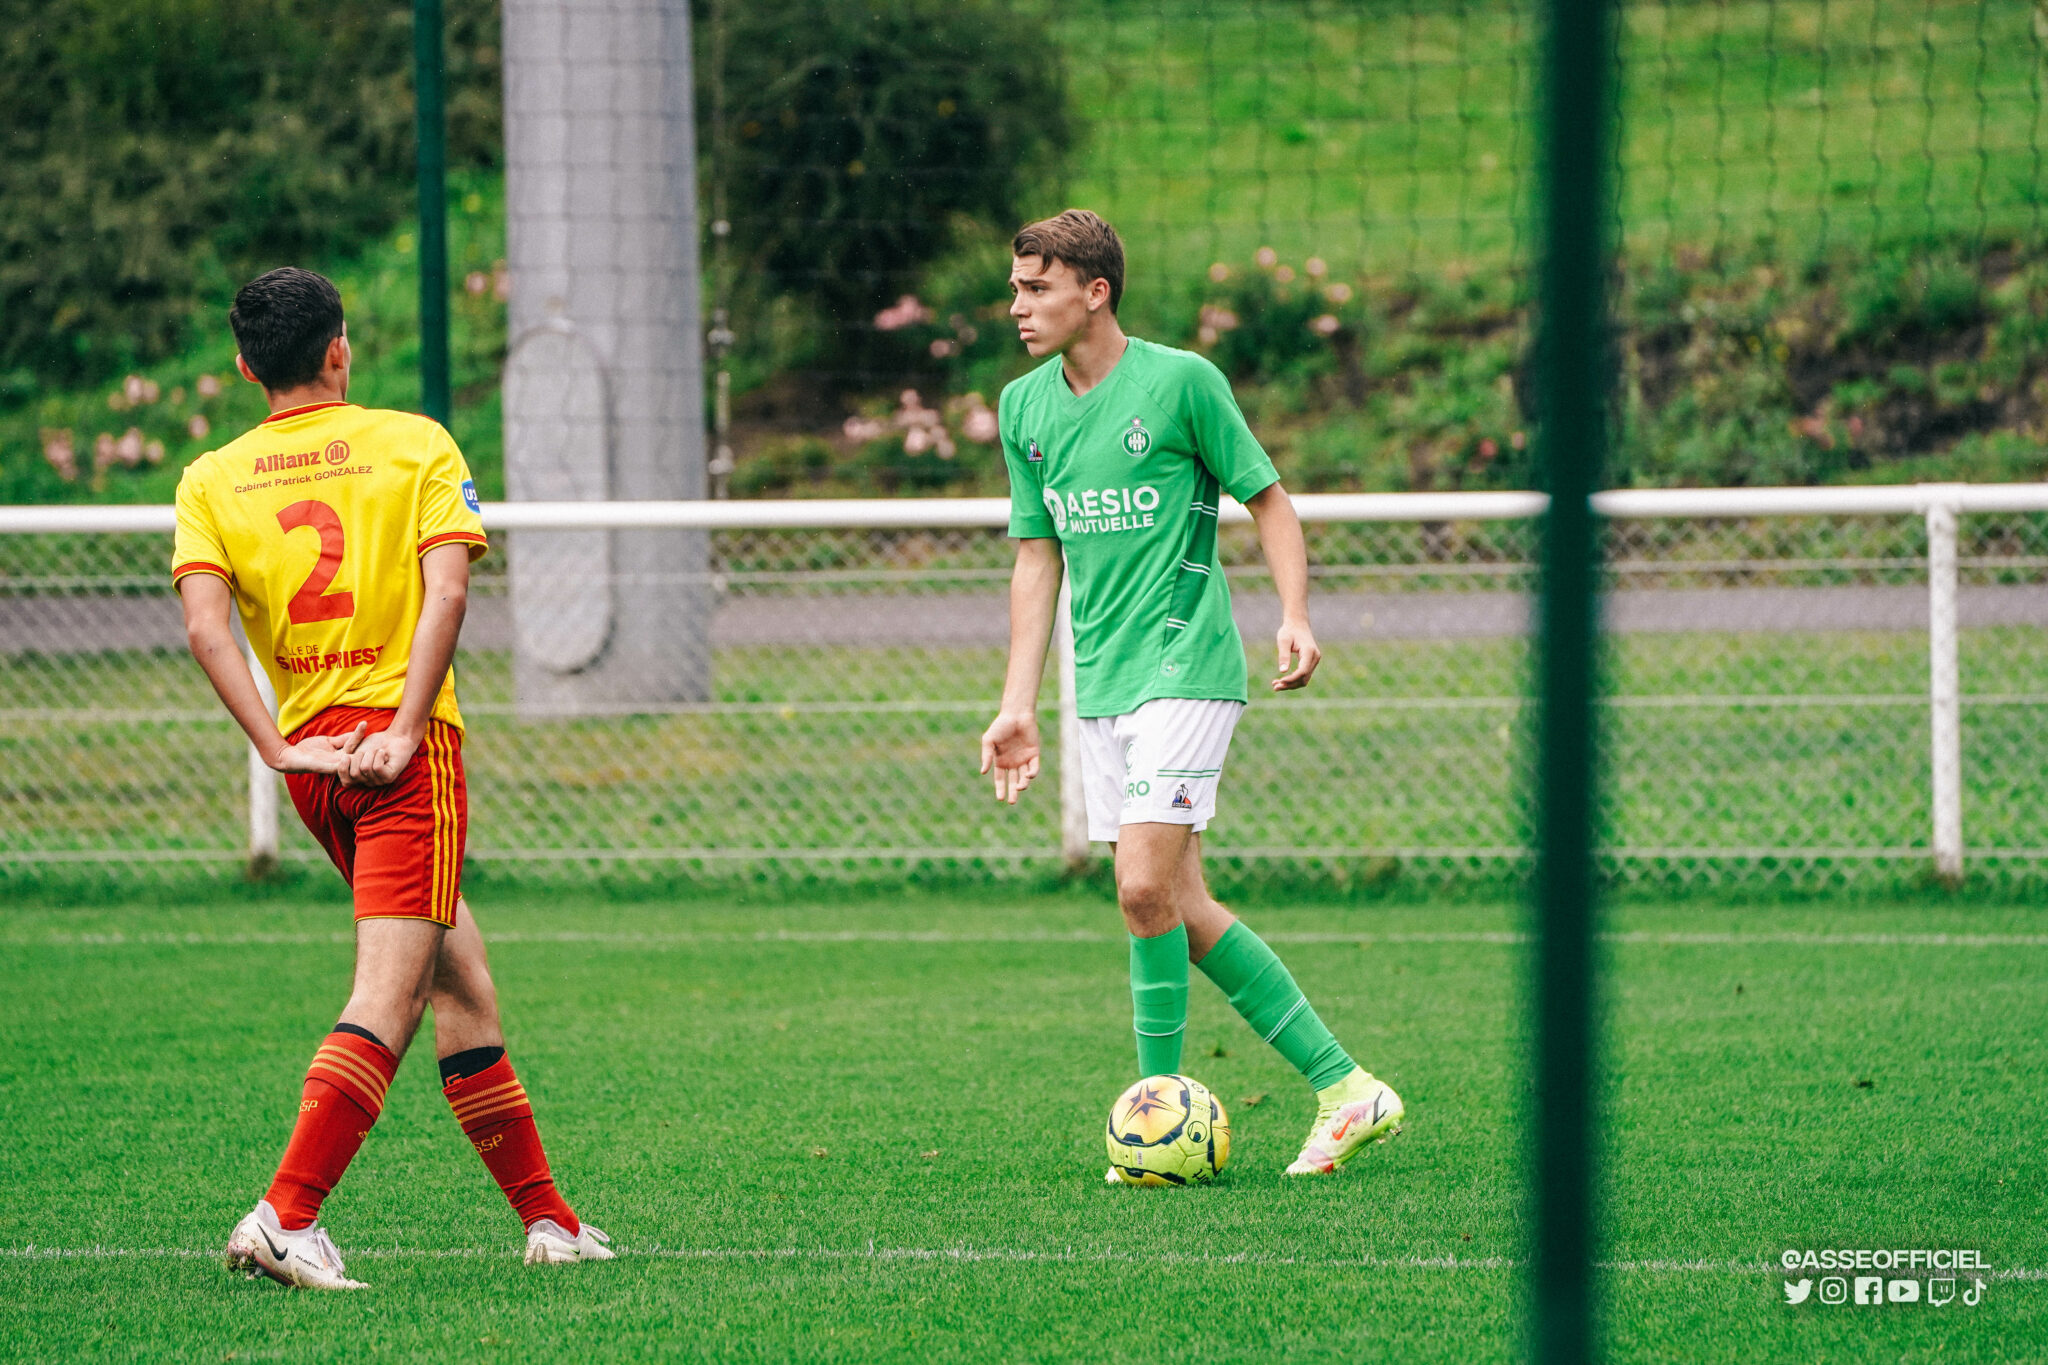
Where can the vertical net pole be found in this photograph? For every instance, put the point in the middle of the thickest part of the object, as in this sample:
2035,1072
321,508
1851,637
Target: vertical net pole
1073,798
1572,389
433,195
1944,693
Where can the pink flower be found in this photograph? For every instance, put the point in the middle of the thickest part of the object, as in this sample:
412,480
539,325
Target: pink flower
208,386
1519,440
905,312
980,425
1285,274
57,449
861,430
916,441
476,282
1325,326
1488,448
1267,257
941,348
1338,293
1317,267
154,452
1219,272
199,426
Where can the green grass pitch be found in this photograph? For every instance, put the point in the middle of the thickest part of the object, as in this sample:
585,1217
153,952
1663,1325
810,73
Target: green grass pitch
870,1129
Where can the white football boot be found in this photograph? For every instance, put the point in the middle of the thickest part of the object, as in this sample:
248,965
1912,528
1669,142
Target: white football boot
306,1259
1359,1109
549,1243
1113,1178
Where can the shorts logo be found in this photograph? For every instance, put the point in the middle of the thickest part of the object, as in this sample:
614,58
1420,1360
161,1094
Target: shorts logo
1032,454
1137,440
337,452
1180,798
468,495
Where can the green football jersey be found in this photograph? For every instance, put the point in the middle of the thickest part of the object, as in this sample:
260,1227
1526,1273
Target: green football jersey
1125,477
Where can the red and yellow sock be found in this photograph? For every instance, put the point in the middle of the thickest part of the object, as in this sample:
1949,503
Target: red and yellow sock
344,1093
494,1113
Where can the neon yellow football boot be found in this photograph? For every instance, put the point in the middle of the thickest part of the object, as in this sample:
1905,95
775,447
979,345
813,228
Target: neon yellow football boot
1359,1109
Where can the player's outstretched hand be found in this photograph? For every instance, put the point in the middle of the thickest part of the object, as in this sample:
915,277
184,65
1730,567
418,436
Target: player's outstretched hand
379,759
1009,749
320,753
1299,656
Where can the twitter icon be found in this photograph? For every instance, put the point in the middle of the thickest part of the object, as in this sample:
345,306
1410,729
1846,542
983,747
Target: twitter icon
1797,1290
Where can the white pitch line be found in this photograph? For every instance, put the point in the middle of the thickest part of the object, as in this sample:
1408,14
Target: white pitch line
1505,938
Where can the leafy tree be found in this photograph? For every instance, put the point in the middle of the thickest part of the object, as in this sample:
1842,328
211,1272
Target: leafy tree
154,151
857,135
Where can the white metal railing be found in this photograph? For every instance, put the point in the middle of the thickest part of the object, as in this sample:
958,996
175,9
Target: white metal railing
1939,504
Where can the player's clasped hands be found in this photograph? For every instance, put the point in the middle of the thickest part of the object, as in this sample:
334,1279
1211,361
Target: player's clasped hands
320,753
1009,749
378,760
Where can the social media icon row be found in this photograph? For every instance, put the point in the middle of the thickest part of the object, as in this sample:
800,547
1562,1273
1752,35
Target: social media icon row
1875,1289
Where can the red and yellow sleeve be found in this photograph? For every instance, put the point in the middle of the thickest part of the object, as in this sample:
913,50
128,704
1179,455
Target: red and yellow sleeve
197,547
449,511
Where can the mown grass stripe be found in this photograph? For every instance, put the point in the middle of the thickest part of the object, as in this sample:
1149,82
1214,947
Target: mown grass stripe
999,1255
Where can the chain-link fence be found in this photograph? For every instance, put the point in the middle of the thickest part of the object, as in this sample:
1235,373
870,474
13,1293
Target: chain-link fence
1768,703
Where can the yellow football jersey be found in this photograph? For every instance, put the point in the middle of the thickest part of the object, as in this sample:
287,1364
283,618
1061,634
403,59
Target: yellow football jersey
317,519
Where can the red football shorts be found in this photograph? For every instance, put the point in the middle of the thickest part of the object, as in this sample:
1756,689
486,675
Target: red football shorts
399,847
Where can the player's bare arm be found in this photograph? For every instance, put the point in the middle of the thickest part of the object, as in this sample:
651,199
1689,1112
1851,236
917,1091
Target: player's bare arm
1287,559
378,760
1009,747
207,602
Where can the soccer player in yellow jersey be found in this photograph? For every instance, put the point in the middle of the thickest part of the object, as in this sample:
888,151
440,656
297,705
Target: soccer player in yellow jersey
343,536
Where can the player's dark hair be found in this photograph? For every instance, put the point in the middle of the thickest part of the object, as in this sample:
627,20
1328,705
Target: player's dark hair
1082,240
283,322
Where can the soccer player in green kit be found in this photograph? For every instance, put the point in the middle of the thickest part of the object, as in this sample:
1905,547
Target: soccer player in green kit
1117,449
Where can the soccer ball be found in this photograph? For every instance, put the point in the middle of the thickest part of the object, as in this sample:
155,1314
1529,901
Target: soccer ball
1168,1130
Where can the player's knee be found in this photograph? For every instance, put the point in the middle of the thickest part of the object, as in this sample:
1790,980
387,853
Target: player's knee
1148,902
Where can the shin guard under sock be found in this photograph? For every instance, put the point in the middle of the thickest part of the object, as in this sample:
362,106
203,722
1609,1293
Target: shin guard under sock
344,1093
492,1108
1263,991
1159,999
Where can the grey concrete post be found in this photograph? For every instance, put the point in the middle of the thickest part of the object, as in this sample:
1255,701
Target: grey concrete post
604,376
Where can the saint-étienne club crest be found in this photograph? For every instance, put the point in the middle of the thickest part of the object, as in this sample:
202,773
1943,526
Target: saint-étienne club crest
1137,440
1032,454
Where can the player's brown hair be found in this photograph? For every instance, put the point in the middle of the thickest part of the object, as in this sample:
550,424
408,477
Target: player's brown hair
1082,240
283,322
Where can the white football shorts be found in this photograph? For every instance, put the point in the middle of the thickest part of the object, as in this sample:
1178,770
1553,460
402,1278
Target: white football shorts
1158,764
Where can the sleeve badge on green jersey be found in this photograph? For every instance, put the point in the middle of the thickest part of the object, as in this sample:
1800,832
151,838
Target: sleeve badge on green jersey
1137,440
1032,453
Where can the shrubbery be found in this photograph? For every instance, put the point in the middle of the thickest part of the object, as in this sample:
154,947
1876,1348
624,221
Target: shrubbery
158,150
864,141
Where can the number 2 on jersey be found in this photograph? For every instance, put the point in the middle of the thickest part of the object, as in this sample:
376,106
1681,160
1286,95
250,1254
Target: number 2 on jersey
312,602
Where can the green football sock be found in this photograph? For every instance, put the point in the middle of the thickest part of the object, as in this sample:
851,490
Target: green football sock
1159,999
1261,989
